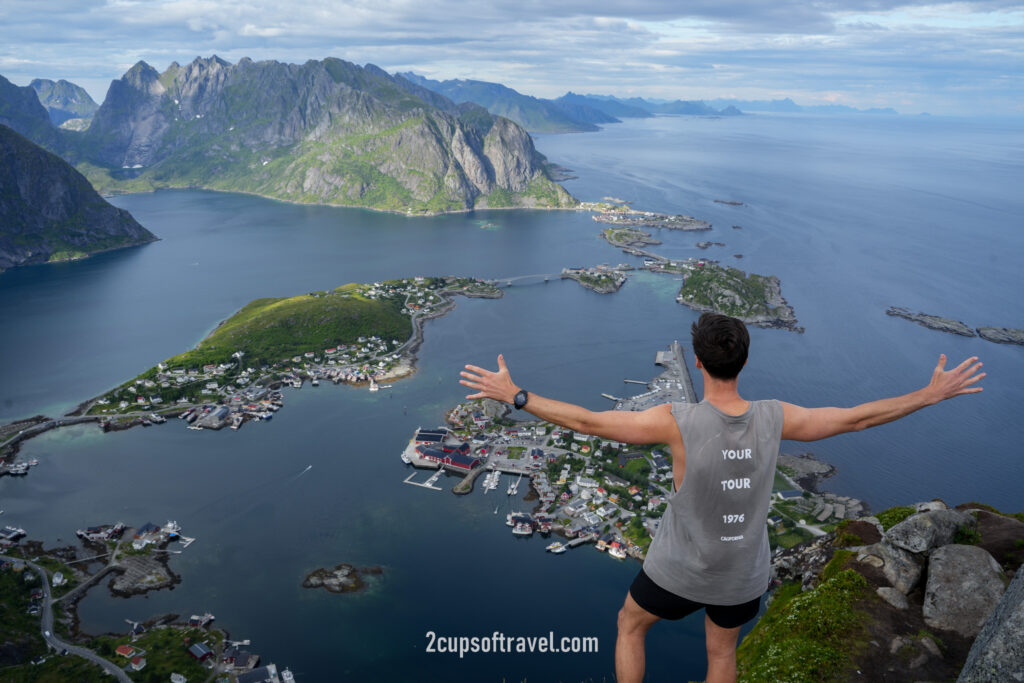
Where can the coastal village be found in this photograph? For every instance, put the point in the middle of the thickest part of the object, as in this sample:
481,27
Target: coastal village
45,586
234,392
587,490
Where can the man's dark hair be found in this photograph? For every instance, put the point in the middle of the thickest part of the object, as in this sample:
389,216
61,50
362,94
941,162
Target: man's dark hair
721,344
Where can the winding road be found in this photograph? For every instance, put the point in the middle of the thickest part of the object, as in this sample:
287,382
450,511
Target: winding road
46,627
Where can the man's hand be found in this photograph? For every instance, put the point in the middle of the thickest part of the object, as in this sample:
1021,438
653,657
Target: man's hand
497,385
949,383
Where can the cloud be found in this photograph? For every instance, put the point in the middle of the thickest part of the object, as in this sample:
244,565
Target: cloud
866,51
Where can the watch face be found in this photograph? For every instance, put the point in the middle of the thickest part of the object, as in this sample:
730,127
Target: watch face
520,399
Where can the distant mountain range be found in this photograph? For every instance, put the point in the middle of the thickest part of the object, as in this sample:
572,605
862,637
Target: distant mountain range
570,113
533,114
50,212
789,106
327,132
64,100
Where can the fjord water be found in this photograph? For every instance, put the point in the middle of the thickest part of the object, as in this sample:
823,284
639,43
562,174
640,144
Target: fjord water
854,214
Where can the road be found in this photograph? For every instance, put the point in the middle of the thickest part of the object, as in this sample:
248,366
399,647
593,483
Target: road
46,627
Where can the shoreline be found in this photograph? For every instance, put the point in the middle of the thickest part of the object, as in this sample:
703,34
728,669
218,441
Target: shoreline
26,264
427,214
404,368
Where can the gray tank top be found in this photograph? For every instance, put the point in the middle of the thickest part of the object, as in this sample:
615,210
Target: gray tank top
712,545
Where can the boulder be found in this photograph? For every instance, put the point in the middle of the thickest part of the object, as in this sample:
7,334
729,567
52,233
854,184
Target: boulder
998,652
930,505
901,569
926,530
893,597
964,585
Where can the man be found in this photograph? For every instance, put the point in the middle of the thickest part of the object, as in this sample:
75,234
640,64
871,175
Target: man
711,551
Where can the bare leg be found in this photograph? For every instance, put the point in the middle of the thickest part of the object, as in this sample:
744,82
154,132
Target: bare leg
634,622
721,644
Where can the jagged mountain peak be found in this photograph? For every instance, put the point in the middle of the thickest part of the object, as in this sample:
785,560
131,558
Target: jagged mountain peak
326,131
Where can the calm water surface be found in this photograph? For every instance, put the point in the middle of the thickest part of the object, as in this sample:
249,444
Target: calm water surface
853,214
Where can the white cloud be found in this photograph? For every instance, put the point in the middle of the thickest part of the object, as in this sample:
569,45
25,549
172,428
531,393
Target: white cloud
943,56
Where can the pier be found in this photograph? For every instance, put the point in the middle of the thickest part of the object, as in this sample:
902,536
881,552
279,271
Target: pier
429,483
672,385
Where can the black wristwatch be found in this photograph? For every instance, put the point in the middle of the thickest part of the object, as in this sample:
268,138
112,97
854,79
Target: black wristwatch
520,400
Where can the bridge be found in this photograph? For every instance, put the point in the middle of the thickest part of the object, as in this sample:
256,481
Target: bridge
523,279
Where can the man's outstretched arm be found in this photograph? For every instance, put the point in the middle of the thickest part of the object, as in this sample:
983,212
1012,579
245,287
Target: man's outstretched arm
655,425
811,424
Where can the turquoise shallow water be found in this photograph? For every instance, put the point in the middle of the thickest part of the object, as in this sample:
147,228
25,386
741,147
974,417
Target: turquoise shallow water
853,214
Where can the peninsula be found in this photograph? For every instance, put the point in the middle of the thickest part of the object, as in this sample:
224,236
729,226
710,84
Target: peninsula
590,490
355,334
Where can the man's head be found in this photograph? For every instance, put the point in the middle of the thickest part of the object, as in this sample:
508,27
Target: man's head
720,343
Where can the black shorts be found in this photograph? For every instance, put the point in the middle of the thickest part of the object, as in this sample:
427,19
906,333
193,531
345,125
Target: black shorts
666,605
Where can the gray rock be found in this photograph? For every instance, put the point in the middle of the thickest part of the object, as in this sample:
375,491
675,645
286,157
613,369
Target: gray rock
998,652
964,585
933,322
930,505
930,645
893,597
926,530
918,661
901,569
1001,335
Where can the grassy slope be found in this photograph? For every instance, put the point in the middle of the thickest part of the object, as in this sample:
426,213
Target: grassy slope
806,637
274,329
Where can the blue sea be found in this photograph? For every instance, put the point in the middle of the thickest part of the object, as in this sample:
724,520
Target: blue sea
854,214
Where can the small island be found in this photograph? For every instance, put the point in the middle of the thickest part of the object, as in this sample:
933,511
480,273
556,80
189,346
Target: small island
628,237
1002,335
932,322
705,245
602,279
343,578
622,215
754,299
997,335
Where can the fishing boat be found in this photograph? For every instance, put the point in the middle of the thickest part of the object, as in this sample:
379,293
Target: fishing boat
522,529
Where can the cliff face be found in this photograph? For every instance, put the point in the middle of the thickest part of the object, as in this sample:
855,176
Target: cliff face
900,596
49,211
323,132
20,110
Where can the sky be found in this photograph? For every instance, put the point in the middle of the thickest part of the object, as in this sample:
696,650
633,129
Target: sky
943,58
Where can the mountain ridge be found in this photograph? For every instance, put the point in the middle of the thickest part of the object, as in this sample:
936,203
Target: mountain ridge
327,132
50,212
